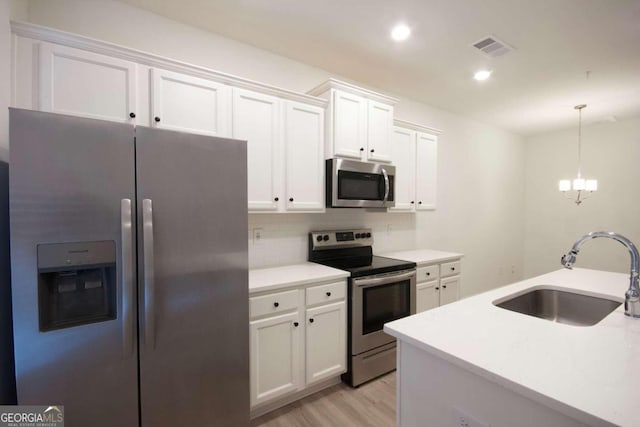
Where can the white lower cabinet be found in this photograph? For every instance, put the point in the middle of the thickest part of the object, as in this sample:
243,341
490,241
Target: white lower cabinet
427,296
326,354
275,357
297,339
437,285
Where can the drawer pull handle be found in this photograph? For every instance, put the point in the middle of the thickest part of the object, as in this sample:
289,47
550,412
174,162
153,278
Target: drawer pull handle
328,294
295,324
275,304
310,320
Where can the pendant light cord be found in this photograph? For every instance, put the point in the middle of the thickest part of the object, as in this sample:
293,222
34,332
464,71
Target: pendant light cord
579,142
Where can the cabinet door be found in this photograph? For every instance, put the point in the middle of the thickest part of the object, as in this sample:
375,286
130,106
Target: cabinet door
403,154
380,131
304,157
426,171
427,296
449,290
275,355
80,83
256,119
189,104
349,125
326,350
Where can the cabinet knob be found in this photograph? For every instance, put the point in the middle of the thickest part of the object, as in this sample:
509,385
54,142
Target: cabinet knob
275,304
372,150
295,324
437,289
328,294
420,202
276,199
453,269
157,119
444,286
291,199
361,148
310,320
428,274
132,115
412,202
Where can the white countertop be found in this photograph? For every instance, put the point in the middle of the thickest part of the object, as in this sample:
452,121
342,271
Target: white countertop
589,373
423,256
268,279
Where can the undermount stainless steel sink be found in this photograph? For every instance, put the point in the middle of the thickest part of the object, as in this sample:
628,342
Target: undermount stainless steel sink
560,306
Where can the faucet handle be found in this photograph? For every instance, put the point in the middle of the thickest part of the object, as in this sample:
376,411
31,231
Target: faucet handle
568,260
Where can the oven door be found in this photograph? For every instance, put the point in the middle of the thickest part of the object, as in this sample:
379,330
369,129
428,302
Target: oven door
359,184
377,300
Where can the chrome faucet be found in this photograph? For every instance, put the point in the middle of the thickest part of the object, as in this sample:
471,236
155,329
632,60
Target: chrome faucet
632,296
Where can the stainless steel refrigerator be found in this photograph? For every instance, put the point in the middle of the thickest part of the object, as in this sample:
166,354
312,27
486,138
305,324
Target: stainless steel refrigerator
129,272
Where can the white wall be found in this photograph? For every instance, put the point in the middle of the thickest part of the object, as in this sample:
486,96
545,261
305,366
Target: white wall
481,176
611,153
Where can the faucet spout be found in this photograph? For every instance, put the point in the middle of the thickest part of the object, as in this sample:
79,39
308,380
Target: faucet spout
632,296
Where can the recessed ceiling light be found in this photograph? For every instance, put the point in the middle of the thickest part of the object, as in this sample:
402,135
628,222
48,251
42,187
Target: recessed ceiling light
482,75
400,32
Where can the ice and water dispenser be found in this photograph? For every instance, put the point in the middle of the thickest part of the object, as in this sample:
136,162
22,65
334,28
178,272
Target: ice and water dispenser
77,283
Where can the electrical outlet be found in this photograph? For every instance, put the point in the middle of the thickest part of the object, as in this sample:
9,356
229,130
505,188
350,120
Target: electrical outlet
257,235
460,419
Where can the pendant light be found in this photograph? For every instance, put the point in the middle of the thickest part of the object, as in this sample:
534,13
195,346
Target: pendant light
579,188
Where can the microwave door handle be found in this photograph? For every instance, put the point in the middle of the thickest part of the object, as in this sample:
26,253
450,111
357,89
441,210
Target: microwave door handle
386,186
376,281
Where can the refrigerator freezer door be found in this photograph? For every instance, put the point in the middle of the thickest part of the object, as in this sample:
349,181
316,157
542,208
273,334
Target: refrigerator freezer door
69,177
193,290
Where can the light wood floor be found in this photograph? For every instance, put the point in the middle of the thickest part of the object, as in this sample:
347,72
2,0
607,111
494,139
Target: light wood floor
372,404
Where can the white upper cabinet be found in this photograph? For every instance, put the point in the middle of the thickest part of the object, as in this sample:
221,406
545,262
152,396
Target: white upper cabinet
360,124
403,153
380,131
304,159
349,125
189,104
256,119
426,170
81,83
284,130
415,154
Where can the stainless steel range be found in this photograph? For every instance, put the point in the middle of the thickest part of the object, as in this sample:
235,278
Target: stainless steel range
380,290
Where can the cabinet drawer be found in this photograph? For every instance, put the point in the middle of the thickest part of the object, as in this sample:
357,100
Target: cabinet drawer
450,269
326,293
428,273
273,303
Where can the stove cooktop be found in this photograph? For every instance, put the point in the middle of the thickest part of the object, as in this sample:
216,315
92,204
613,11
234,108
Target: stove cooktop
360,266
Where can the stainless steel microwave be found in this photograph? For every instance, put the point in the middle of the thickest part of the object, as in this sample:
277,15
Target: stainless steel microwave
353,184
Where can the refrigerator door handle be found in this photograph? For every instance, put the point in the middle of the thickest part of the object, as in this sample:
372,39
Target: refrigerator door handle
149,288
127,277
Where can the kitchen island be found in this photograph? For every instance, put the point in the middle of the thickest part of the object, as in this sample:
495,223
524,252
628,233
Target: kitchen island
495,367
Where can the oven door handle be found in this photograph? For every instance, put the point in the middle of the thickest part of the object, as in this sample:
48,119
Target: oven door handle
386,186
364,282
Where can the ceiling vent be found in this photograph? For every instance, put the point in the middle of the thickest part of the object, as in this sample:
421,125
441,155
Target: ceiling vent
492,47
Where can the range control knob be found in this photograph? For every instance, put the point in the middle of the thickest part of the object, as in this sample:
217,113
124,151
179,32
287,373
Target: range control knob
326,237
319,238
357,235
368,234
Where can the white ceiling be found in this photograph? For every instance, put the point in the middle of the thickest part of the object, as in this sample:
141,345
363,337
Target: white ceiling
533,89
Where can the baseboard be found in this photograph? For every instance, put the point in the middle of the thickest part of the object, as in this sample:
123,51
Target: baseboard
284,401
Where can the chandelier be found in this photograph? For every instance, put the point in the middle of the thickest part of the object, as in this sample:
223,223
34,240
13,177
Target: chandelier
579,188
